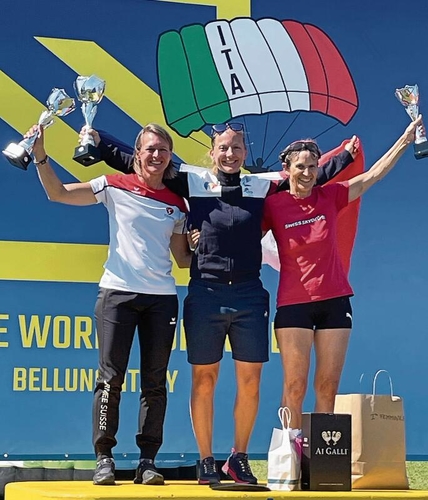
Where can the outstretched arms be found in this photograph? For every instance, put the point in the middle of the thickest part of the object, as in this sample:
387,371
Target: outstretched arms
361,183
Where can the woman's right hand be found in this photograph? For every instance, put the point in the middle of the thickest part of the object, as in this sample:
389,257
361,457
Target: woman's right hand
353,146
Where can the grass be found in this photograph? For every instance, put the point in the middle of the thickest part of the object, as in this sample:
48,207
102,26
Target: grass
416,471
418,475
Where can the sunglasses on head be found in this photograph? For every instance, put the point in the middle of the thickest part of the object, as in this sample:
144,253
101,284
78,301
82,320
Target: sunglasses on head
300,146
222,127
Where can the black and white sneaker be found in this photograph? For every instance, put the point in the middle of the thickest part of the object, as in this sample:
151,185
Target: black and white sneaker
104,472
146,473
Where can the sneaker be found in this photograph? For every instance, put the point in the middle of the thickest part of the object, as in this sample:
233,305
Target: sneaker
208,471
238,468
104,472
146,473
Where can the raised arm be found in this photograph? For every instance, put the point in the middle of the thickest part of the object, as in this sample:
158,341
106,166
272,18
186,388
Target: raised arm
361,183
110,150
335,165
72,194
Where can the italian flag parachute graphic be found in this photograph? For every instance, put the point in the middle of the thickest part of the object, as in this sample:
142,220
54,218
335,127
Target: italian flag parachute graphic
225,69
228,69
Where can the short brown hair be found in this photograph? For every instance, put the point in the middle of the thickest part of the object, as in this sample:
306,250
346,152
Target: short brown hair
297,146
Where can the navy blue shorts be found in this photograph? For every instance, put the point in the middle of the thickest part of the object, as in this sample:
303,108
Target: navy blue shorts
319,315
214,310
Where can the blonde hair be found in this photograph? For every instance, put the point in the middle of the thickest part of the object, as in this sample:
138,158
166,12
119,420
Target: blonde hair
154,128
214,168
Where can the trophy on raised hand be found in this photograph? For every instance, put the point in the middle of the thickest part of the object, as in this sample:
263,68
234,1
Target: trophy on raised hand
409,98
58,104
89,91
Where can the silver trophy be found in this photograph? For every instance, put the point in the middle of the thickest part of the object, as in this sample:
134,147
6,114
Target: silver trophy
58,104
409,98
89,91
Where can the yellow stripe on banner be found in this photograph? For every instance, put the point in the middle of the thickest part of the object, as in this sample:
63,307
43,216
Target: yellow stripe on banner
69,262
226,9
124,89
34,261
21,110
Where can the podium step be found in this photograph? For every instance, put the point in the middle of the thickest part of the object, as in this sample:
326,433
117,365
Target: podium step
180,490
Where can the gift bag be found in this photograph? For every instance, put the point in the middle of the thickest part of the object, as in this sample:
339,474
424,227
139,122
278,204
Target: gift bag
378,438
284,455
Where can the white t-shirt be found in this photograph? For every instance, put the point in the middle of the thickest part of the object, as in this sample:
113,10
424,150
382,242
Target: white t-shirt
141,223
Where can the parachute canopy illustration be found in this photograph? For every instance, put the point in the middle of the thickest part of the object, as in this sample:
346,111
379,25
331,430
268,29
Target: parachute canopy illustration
225,69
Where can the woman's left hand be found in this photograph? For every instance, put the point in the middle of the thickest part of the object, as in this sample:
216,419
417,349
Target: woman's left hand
39,146
193,239
410,132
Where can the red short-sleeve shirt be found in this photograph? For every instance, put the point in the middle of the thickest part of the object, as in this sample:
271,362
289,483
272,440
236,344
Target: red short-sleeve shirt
305,231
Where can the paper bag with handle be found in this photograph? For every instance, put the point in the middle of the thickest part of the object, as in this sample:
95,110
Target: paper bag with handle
378,438
284,455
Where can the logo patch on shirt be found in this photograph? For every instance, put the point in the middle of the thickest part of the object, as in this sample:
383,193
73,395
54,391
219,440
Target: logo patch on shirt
305,221
210,186
246,186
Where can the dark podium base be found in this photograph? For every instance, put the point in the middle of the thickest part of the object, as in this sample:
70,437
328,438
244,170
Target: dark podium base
17,156
421,150
326,457
87,155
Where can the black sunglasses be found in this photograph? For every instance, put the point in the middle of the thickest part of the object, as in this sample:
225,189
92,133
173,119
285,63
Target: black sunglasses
300,146
219,128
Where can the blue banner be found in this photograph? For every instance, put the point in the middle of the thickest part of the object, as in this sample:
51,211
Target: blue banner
51,255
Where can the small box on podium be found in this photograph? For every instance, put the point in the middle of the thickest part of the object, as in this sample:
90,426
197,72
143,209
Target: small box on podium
326,454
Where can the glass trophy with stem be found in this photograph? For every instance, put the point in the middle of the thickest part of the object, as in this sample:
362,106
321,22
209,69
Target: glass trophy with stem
409,98
57,104
89,91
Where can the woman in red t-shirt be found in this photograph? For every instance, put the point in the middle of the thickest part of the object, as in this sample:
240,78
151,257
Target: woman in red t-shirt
313,306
